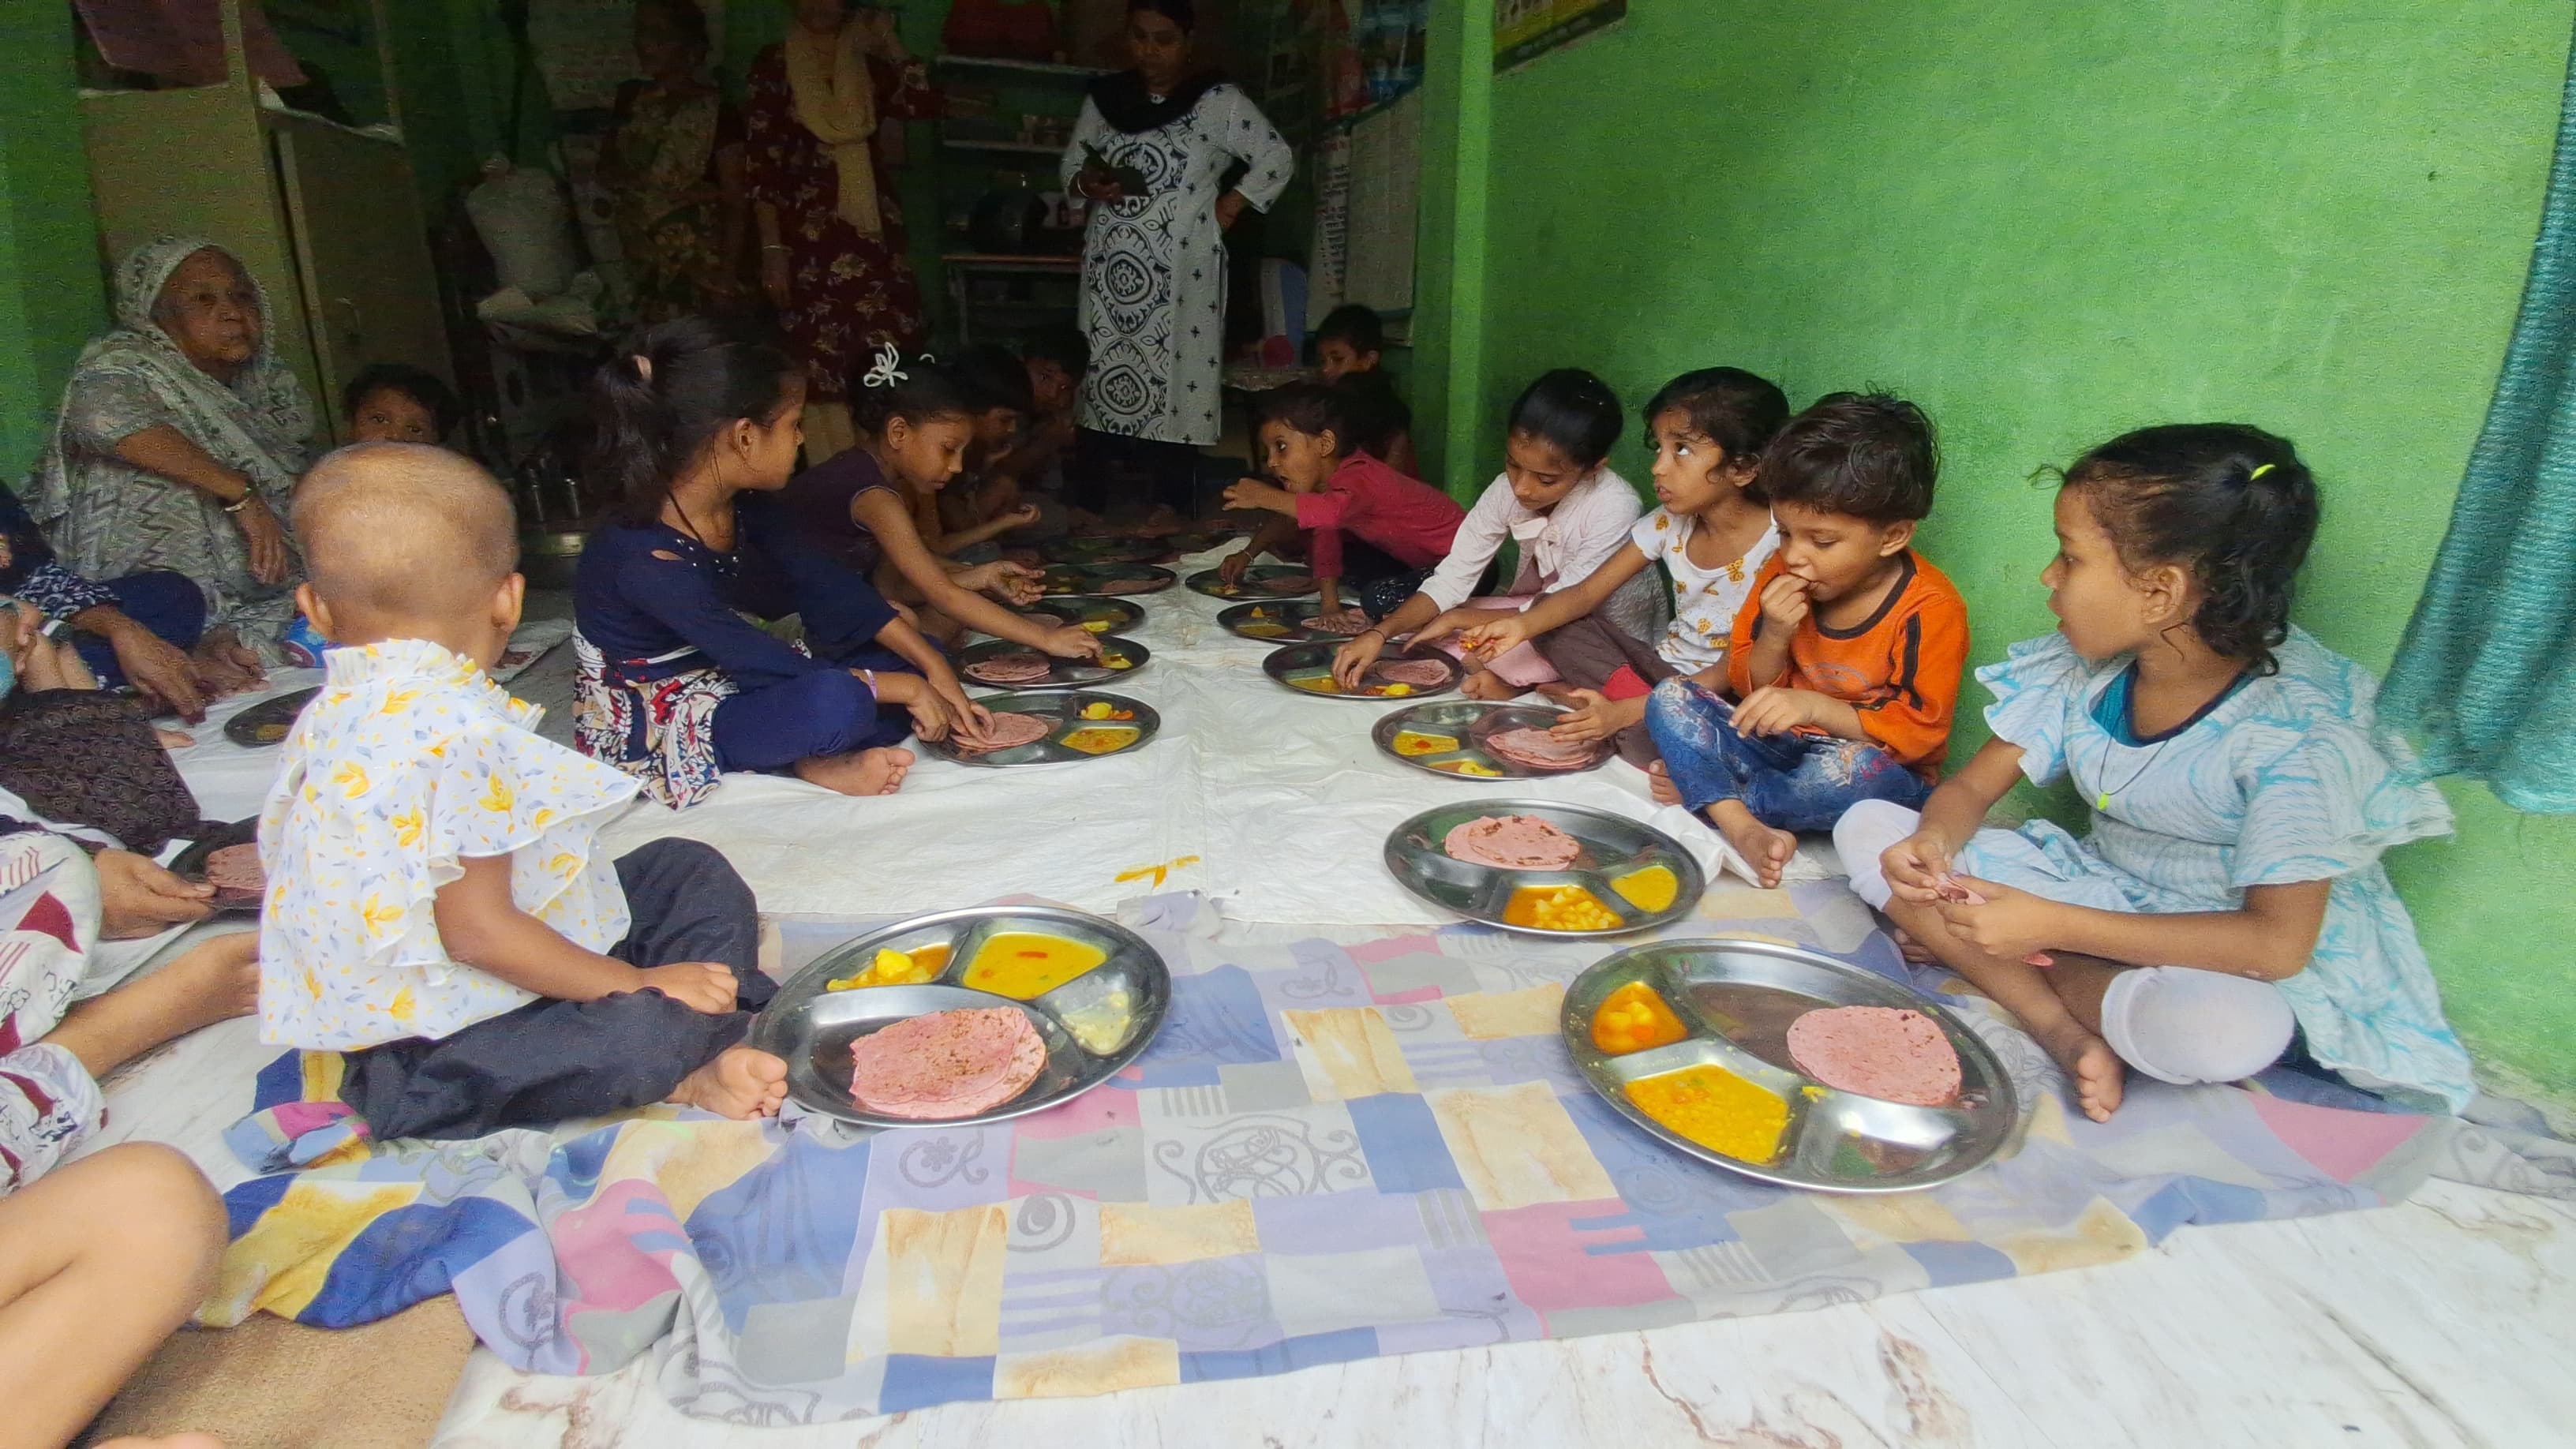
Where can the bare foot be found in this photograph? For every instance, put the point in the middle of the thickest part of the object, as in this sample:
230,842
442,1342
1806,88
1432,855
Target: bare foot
1912,950
1556,690
869,772
175,1441
740,1083
1763,848
1659,783
173,739
1486,684
215,980
2092,1068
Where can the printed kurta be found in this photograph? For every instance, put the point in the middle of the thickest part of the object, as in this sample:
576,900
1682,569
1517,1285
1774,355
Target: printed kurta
2289,779
848,293
49,915
410,761
1153,267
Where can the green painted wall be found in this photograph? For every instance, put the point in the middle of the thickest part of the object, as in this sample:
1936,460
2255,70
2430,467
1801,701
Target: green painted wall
2049,223
51,297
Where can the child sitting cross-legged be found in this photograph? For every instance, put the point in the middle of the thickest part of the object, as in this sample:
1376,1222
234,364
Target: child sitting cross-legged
2241,789
1358,521
438,905
1845,661
1711,534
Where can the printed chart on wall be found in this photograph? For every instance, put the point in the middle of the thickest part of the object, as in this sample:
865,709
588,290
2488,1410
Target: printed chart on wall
1526,29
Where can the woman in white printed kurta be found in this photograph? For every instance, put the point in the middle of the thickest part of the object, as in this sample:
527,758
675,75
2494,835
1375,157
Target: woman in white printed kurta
1153,263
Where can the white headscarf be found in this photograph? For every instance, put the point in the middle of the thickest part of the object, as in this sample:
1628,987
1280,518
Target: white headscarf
257,424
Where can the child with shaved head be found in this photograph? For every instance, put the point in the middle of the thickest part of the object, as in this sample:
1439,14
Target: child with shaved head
438,908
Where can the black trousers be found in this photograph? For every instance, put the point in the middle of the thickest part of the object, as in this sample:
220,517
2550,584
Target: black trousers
1586,652
550,1061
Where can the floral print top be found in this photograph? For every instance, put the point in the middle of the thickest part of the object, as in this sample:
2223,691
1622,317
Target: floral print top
1705,601
408,762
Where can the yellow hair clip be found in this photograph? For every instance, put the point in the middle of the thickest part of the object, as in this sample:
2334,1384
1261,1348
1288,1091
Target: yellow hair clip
2258,472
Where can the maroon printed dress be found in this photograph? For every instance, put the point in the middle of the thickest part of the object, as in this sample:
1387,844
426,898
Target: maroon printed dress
848,293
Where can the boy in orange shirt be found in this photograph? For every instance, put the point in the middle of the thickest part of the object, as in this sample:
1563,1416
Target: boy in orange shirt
1845,660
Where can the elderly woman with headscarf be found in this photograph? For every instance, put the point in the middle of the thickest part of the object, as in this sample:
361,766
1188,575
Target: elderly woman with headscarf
832,252
181,435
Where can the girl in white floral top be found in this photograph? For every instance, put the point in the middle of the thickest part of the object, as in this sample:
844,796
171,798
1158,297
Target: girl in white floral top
437,906
1712,532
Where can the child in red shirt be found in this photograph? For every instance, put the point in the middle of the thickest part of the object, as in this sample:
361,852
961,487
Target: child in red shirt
1364,523
1846,657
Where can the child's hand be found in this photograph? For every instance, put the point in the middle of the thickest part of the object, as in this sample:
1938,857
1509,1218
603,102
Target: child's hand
1071,642
1776,711
914,693
702,986
1016,583
1487,641
1785,604
1022,516
1999,920
139,898
1596,716
1253,493
1338,617
1354,658
1230,569
25,623
965,716
1917,868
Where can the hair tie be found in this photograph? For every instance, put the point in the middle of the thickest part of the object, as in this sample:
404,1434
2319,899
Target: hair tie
643,367
885,373
2258,473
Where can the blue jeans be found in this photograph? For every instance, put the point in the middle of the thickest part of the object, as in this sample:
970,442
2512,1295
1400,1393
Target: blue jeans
1790,782
170,605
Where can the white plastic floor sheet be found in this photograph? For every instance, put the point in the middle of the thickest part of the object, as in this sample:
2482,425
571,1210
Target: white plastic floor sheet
1273,802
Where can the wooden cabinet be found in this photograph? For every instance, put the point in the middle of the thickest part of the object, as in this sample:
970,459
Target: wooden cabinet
326,217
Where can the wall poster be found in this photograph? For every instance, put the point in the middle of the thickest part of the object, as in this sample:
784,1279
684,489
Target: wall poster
1526,29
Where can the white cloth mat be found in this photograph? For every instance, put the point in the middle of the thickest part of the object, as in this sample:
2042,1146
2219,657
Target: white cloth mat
1272,802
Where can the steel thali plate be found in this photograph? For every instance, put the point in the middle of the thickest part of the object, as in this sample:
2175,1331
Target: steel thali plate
1093,1025
1737,998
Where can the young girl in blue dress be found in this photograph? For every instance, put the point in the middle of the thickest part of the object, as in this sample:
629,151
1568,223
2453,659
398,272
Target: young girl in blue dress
2229,895
697,427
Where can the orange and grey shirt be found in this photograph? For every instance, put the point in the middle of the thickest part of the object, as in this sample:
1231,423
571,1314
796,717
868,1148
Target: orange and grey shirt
1899,667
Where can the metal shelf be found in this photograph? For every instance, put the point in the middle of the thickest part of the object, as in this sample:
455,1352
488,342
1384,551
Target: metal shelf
1008,148
1051,69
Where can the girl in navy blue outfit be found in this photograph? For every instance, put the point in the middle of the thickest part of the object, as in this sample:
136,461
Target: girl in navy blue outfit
696,427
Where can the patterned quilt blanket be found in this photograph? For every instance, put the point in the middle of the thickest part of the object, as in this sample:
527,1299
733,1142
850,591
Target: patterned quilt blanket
1340,1145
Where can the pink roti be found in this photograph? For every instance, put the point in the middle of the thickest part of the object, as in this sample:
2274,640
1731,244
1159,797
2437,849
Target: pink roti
1536,749
1009,732
1877,1051
1285,584
946,1064
1352,625
1419,673
1010,669
236,868
1512,842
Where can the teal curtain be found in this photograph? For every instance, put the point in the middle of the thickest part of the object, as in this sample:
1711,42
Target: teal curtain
2486,678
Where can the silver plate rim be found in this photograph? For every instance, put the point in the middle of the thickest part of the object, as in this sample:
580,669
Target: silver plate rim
1200,581
768,1037
1148,720
1694,880
1574,1028
1383,734
1278,664
1139,654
